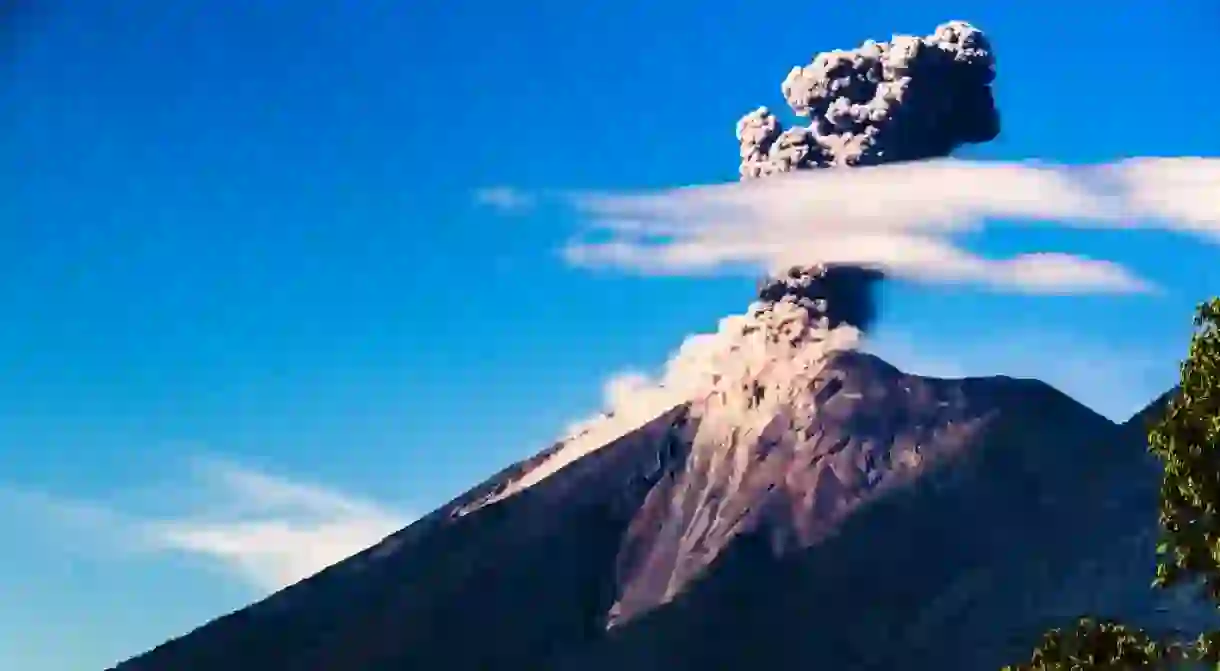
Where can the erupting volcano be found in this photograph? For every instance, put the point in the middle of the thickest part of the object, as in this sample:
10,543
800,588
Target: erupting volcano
776,499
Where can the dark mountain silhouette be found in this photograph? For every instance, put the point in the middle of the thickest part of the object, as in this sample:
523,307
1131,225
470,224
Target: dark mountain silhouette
1141,421
908,523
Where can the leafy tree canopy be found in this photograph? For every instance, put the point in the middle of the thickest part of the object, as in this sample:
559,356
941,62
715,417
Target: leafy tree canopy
1187,441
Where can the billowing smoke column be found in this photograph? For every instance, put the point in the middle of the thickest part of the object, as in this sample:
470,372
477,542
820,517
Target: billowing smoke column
912,98
909,99
849,289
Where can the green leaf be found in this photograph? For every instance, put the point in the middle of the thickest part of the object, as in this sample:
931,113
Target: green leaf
1186,439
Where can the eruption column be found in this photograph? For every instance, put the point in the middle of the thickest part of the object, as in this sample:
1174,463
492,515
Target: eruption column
909,99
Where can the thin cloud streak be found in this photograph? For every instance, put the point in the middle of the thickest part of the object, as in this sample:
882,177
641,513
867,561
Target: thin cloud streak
271,531
266,531
505,199
902,218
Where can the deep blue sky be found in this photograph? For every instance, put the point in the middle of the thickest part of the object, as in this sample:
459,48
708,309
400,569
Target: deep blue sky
238,229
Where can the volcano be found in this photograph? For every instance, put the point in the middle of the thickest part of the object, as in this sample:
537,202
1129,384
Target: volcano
794,503
903,523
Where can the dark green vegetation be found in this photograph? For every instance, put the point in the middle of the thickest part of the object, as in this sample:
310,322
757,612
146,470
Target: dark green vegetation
1186,440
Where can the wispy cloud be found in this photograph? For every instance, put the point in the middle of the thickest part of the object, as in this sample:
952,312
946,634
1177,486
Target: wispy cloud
265,530
505,199
902,218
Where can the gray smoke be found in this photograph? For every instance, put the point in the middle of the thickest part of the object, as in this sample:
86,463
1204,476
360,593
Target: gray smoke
912,98
909,99
816,288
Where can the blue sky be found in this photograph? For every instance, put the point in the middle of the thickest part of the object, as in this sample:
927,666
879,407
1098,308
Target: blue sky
245,280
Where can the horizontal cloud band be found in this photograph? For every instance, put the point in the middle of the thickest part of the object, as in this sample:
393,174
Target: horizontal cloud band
902,218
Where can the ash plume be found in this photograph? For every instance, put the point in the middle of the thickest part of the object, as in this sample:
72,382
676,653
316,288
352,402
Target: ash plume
908,99
911,98
816,288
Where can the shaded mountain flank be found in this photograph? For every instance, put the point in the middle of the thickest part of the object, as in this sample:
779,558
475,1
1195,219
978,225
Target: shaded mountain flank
905,523
781,500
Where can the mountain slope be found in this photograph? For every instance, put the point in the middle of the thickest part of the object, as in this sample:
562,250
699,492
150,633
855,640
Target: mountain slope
1043,512
417,599
784,501
919,514
1140,421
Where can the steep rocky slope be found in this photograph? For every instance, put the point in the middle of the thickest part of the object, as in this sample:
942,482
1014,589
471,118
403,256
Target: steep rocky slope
905,523
1037,511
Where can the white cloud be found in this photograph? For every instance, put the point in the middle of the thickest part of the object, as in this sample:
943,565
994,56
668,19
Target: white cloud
903,218
1185,191
504,199
630,398
272,531
265,530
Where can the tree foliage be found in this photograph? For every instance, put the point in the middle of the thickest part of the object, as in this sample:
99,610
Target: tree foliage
1186,439
1101,644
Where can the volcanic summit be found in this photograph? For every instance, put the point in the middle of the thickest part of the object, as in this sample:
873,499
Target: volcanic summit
791,502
